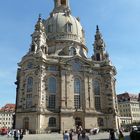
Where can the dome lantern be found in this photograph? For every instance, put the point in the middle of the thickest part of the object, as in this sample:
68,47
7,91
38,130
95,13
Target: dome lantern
61,6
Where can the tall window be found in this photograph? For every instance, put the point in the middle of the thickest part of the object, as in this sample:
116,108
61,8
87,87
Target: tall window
77,86
52,101
77,89
52,122
28,100
29,84
97,103
96,89
52,85
52,91
68,27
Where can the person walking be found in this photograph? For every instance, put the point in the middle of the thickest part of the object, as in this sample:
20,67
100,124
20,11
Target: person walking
21,134
78,134
83,136
66,136
121,136
112,135
16,134
71,134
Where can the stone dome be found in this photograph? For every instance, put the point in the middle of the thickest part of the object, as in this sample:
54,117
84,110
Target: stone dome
62,26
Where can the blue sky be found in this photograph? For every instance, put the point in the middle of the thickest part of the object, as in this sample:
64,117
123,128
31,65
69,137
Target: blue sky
118,20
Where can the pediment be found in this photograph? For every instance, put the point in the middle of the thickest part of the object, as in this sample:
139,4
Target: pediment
77,63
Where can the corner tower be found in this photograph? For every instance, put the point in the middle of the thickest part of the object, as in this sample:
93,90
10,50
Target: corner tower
100,53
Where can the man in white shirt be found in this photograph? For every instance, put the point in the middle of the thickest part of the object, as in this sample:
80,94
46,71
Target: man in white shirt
66,136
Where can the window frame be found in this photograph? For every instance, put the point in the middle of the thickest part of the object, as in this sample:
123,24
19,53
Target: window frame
52,85
29,84
52,102
77,92
52,122
68,27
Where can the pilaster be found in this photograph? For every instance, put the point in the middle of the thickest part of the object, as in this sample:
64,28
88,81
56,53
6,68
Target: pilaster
63,89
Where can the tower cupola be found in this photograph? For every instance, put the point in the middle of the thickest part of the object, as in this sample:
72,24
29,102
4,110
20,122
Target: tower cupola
39,44
100,53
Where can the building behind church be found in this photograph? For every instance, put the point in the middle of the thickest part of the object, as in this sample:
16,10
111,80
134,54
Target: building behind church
58,86
7,116
129,108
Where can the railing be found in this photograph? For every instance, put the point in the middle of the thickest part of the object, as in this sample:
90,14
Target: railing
66,36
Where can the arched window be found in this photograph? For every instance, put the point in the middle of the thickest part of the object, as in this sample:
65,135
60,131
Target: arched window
29,84
68,27
96,87
52,122
52,85
77,89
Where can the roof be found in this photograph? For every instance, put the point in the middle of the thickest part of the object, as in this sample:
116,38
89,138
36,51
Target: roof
59,23
8,108
127,97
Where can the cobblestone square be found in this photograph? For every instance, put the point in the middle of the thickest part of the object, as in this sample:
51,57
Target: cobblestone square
56,136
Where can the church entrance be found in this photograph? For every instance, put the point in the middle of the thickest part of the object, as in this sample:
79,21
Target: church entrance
78,121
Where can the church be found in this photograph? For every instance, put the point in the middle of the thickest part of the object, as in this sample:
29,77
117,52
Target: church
58,86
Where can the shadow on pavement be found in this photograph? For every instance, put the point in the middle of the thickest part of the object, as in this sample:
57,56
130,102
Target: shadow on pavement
126,138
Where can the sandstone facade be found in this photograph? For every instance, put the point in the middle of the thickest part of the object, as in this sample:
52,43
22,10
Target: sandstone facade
58,87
